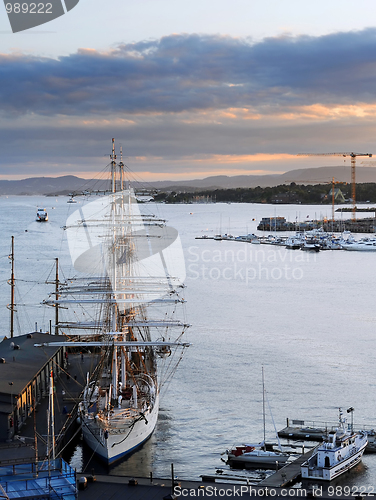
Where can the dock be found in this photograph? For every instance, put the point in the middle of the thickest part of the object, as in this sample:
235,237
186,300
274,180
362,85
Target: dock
136,488
316,431
24,405
289,474
273,224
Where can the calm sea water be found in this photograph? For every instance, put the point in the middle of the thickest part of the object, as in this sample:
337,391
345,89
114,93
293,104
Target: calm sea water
308,319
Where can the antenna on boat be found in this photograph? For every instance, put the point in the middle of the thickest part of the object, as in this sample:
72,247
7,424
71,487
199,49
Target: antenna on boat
113,163
121,168
351,411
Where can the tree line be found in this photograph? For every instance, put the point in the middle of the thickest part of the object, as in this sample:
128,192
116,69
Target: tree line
292,193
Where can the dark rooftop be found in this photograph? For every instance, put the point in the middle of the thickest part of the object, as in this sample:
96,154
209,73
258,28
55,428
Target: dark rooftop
22,364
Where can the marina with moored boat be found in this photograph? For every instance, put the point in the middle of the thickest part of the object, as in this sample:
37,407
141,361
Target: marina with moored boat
291,392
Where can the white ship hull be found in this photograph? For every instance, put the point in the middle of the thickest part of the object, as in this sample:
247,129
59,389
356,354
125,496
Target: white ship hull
122,439
259,458
360,247
330,473
340,466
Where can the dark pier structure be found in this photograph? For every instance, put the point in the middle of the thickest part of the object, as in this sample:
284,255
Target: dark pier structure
366,225
24,389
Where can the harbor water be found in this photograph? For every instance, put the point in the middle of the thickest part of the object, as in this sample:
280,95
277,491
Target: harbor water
308,319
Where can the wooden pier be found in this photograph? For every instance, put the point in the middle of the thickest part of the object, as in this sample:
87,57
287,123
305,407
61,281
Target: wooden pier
20,448
316,431
288,475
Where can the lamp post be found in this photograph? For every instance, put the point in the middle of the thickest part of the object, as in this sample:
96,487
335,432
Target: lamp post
11,394
351,410
12,412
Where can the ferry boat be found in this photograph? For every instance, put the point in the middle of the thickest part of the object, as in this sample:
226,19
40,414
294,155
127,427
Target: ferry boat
341,451
42,215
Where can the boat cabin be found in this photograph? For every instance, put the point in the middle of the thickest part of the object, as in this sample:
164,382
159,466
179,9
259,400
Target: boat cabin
42,215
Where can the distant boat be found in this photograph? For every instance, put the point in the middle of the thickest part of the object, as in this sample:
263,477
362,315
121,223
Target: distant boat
309,246
71,200
342,450
249,238
294,242
363,245
42,215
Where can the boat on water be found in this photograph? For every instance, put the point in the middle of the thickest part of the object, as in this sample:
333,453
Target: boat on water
310,246
130,267
294,242
363,245
341,451
261,454
248,238
42,215
257,455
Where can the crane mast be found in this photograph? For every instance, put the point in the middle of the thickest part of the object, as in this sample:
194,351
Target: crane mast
353,179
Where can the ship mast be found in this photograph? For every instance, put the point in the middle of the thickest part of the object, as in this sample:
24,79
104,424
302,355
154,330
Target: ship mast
11,282
57,298
114,392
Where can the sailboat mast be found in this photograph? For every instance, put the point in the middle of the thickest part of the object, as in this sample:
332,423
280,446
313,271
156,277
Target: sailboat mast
113,277
11,257
57,298
263,404
52,414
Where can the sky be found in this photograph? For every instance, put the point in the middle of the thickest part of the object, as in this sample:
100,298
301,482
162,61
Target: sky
189,89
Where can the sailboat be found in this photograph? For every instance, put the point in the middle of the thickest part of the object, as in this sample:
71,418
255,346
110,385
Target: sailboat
130,267
261,454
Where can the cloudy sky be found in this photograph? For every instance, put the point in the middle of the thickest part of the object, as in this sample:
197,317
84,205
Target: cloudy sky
189,89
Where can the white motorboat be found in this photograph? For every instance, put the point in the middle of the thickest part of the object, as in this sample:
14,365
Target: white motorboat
310,246
363,245
342,450
42,215
294,242
248,238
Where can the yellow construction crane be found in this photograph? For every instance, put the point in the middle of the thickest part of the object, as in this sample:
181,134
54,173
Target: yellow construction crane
353,160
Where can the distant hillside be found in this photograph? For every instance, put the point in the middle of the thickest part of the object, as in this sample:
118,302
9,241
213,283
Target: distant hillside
43,185
70,183
302,176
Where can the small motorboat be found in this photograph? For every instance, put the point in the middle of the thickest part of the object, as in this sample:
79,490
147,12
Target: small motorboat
363,245
42,215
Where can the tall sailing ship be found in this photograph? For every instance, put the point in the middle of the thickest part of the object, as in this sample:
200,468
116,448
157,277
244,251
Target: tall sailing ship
130,270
